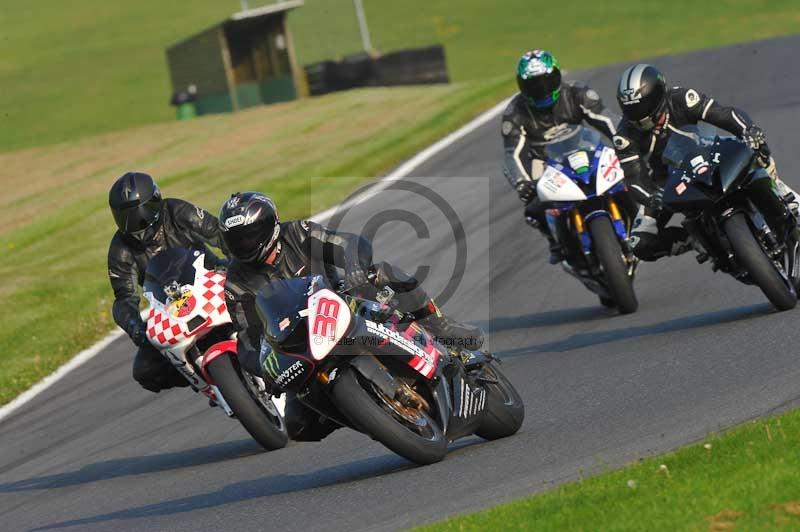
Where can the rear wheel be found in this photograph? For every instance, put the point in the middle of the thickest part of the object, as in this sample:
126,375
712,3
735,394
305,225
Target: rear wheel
265,426
766,274
612,261
504,411
410,432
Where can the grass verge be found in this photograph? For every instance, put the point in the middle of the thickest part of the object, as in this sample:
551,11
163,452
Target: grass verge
97,66
744,478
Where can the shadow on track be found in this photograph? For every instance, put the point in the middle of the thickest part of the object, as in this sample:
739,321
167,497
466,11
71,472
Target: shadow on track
581,340
547,319
139,465
253,489
264,487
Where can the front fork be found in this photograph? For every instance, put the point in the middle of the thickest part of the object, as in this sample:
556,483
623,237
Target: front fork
773,207
579,225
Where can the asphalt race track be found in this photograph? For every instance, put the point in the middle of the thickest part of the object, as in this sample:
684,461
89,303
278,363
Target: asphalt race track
96,452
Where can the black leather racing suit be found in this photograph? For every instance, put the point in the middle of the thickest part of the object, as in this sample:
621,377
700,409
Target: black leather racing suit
181,224
640,152
523,126
305,248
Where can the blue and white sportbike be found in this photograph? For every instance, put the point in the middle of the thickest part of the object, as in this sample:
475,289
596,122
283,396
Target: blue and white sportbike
590,213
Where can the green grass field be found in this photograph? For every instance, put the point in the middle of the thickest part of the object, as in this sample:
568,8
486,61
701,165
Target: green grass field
73,69
743,479
68,73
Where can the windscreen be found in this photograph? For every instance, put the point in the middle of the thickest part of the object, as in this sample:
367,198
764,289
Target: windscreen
690,140
168,272
570,139
278,305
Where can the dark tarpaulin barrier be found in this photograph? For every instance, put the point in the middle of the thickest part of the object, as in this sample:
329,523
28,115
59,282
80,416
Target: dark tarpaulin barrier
404,67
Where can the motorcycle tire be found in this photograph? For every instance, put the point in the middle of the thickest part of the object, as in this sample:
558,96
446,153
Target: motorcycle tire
504,412
609,254
749,253
367,411
608,302
269,431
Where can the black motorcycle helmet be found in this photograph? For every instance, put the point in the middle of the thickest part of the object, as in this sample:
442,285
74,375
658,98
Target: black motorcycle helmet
642,95
135,202
250,226
539,78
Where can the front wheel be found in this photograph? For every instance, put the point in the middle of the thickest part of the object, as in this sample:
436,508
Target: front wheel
410,432
504,410
612,261
267,428
749,253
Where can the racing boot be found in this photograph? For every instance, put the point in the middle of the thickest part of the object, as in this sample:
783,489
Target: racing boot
783,190
535,220
450,332
556,253
777,202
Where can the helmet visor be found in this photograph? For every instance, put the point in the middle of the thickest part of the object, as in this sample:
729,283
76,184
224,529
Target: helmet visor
650,121
645,110
249,242
135,219
542,90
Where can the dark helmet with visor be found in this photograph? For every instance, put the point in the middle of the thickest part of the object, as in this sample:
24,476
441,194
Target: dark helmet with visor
539,78
250,226
135,202
642,96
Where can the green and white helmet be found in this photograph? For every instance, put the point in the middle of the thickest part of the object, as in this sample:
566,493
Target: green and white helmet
539,78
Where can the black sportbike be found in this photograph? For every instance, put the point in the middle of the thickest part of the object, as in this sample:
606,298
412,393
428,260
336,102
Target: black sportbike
363,364
736,219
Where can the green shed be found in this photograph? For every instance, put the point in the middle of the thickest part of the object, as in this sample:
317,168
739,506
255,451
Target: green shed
245,60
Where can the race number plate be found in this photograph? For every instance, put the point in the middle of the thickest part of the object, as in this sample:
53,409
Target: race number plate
328,320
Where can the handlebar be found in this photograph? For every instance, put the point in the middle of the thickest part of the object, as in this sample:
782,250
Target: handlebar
372,276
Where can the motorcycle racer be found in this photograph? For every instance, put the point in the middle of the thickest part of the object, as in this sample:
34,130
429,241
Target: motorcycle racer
544,105
147,224
264,248
652,112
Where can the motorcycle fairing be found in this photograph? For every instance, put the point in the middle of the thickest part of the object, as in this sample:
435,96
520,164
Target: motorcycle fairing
735,161
413,342
175,330
609,171
467,403
290,371
682,194
168,328
555,185
328,321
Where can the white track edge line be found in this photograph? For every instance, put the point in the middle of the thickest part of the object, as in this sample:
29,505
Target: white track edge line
73,363
416,161
400,172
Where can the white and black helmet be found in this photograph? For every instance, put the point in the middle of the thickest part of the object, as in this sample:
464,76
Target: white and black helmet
642,95
250,226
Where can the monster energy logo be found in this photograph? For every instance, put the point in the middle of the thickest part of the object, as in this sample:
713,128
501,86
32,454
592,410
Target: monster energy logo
269,363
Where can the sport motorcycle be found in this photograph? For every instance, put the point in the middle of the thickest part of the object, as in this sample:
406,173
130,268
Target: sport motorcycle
732,213
189,323
362,364
584,190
